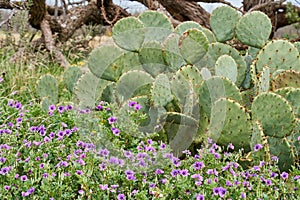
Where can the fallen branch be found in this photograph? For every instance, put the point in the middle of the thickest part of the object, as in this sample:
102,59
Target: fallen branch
50,44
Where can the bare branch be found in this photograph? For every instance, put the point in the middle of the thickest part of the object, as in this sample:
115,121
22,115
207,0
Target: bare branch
50,44
9,17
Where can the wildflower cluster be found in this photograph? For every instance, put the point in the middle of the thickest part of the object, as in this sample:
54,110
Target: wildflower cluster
67,153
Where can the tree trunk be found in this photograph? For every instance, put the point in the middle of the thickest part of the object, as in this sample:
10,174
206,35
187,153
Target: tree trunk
37,11
182,10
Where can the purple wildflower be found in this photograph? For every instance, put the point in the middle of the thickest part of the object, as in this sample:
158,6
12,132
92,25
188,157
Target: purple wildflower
6,187
103,187
184,172
230,146
45,175
131,104
115,131
24,178
80,192
257,147
137,107
175,172
42,165
121,197
52,108
200,197
159,171
79,172
112,120
284,175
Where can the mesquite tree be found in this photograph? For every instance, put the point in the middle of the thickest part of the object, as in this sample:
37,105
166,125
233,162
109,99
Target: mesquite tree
64,20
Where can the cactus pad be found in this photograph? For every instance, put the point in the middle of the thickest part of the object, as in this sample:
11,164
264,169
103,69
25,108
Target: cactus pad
129,33
230,123
282,149
223,21
254,29
157,25
274,113
47,89
161,91
215,50
171,53
264,80
278,54
85,90
258,137
179,126
226,66
284,91
294,98
184,26
287,78
71,76
133,83
215,88
102,62
152,59
193,45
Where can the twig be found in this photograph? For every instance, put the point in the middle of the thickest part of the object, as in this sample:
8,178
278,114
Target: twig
104,14
9,17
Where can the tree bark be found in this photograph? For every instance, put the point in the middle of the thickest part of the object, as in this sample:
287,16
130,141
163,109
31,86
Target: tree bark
248,4
37,11
182,10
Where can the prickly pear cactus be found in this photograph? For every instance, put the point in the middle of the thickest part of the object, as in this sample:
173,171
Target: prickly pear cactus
254,29
184,26
129,33
293,98
47,90
193,45
287,78
71,76
161,91
278,54
215,88
223,21
230,123
102,63
281,148
215,50
157,25
133,83
152,60
226,67
179,126
171,52
85,90
264,80
258,137
275,114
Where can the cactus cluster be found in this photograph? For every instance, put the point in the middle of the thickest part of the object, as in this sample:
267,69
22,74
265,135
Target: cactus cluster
192,84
